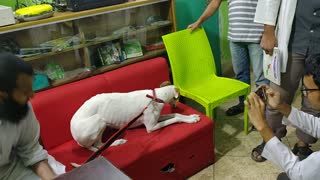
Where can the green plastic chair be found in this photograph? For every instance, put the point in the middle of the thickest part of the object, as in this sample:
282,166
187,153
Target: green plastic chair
194,73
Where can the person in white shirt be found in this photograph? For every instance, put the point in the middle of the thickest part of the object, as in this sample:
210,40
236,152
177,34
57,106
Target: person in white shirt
276,151
21,155
293,26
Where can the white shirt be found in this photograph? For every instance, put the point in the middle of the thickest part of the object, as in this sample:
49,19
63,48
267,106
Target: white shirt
281,155
267,13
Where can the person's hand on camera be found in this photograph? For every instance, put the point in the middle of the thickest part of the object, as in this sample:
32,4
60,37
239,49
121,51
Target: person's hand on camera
274,101
273,98
256,111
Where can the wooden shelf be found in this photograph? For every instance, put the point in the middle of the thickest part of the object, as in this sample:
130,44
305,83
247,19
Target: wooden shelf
113,37
35,57
146,56
68,16
91,43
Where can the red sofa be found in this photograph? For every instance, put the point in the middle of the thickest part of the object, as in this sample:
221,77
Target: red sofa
189,147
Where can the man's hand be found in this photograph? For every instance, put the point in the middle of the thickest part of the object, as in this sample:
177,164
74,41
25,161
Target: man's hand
273,97
256,108
208,12
274,101
43,170
268,40
194,25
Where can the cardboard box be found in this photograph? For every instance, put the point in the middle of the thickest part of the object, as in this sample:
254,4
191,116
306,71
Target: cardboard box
6,16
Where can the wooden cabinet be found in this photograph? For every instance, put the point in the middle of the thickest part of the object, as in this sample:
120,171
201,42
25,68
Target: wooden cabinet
73,40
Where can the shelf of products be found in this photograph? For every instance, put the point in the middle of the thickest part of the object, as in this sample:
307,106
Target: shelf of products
87,43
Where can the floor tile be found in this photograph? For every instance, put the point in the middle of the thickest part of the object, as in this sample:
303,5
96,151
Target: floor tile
243,168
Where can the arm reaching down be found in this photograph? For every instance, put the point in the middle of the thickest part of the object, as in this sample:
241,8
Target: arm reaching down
208,12
43,170
29,149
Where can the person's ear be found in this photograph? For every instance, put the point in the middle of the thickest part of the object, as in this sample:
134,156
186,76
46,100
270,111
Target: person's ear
3,95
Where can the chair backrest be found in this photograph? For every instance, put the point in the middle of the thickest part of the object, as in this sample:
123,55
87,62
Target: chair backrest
190,57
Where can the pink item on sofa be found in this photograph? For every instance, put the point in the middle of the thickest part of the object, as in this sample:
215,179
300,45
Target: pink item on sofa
189,147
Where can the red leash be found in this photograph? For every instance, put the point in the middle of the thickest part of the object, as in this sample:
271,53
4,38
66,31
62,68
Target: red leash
114,137
155,97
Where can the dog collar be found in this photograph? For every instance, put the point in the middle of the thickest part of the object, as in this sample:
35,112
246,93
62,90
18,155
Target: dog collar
154,97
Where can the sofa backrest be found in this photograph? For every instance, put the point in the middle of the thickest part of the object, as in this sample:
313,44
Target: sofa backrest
55,107
147,74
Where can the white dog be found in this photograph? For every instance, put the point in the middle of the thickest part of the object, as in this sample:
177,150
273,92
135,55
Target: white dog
116,109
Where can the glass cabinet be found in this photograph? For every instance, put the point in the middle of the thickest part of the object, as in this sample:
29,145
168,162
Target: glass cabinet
73,45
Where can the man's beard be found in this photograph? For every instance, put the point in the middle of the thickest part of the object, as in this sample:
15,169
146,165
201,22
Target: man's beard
12,111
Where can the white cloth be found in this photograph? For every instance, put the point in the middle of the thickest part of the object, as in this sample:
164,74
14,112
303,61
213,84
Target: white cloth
281,155
20,148
267,13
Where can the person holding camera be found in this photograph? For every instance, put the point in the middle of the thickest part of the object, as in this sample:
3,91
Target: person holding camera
274,150
293,26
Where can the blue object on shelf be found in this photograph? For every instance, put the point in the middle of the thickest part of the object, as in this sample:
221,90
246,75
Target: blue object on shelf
40,81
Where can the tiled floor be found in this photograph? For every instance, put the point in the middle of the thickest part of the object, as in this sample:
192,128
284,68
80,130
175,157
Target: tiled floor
233,149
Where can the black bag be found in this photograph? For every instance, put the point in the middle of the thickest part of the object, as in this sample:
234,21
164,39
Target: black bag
79,5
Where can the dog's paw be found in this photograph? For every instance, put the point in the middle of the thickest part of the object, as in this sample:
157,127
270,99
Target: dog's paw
193,118
75,165
118,142
93,149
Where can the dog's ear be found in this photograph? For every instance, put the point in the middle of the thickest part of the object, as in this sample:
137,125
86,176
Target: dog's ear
165,83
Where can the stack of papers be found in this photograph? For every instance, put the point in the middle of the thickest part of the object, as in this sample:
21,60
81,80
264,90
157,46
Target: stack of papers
271,66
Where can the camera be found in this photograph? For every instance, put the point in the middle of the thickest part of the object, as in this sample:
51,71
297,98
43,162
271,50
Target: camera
261,92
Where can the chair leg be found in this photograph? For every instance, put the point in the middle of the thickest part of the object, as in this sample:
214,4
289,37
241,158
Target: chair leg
209,112
245,121
246,117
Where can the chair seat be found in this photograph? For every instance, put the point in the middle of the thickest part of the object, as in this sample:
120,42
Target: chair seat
222,88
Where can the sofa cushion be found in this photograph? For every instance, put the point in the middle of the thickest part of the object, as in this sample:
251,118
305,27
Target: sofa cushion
188,146
55,107
143,75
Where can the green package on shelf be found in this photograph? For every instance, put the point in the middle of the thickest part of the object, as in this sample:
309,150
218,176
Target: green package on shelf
54,71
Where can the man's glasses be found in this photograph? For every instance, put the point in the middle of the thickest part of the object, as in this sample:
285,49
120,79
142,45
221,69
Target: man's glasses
305,91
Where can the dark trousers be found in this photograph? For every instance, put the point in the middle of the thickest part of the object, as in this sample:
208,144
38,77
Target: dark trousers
289,84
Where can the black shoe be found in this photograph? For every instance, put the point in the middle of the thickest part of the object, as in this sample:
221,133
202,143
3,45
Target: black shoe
256,153
234,110
283,176
302,152
253,128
